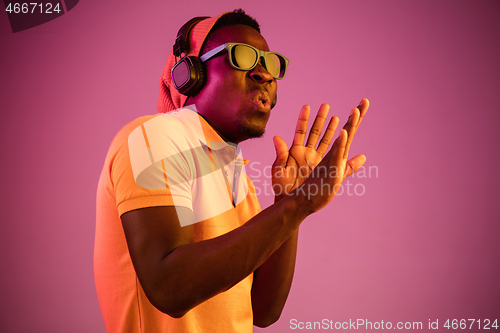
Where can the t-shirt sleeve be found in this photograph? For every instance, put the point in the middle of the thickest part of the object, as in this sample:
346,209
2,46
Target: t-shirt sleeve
142,180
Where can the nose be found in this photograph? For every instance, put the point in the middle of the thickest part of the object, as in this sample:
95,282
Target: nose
260,74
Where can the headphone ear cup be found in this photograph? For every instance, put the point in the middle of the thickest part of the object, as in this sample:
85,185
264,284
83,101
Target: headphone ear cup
188,75
199,69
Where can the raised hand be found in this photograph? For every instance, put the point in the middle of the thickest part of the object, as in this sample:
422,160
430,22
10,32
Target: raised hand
292,167
323,183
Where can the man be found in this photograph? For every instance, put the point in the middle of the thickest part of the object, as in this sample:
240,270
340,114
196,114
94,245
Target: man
165,260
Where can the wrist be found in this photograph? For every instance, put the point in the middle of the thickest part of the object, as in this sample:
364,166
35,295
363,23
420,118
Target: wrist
295,206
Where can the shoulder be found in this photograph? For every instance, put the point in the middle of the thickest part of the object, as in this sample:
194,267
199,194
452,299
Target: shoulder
121,138
175,126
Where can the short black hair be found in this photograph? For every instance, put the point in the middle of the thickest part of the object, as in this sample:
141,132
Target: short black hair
237,16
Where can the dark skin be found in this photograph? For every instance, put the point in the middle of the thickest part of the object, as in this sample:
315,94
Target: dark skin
173,269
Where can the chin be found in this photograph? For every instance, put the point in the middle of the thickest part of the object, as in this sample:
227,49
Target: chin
251,131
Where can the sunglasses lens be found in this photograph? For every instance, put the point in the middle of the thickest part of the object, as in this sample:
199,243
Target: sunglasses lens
275,65
244,57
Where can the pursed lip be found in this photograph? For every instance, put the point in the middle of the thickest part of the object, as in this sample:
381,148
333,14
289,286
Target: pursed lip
262,100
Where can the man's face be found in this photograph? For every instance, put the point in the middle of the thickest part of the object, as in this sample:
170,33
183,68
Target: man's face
237,103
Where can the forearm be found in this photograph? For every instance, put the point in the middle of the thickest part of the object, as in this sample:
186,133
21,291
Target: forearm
207,268
272,282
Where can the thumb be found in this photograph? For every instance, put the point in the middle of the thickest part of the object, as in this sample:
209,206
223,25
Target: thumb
354,164
281,151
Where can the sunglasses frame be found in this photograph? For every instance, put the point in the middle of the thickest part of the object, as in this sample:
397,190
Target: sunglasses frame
260,54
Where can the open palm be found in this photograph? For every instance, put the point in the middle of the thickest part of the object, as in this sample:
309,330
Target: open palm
293,166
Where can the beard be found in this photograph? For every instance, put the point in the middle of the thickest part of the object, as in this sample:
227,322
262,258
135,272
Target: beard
249,131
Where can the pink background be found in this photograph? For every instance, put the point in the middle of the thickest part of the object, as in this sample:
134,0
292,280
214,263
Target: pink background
421,243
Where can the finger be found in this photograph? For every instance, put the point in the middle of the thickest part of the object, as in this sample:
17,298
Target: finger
363,108
301,128
328,136
281,152
354,164
338,153
350,121
351,129
317,126
338,149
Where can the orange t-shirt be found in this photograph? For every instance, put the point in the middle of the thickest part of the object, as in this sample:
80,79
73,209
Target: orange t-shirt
142,161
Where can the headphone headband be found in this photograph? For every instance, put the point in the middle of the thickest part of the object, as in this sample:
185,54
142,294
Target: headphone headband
181,44
188,75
